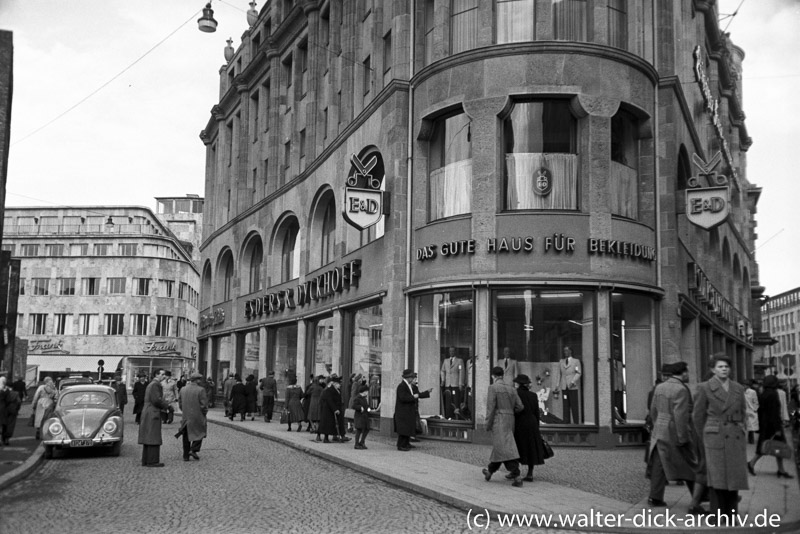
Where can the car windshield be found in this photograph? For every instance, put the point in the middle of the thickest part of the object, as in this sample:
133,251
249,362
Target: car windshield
82,398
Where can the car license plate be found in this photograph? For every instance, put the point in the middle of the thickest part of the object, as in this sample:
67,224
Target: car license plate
81,443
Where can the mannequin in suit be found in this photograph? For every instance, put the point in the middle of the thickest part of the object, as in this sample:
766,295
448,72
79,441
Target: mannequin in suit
509,365
452,380
569,377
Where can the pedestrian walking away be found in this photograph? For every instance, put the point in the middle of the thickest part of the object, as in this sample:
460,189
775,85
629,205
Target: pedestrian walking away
251,394
769,423
719,414
269,390
238,399
294,396
502,402
150,425
526,427
194,407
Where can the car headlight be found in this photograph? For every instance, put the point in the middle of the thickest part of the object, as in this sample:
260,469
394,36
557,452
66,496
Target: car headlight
109,427
55,428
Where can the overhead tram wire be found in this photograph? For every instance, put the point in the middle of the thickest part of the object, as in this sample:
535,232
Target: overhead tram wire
731,16
120,73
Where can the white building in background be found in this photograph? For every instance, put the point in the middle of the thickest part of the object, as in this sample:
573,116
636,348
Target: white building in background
110,283
780,316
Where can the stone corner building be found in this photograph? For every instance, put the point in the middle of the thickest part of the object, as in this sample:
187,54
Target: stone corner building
546,174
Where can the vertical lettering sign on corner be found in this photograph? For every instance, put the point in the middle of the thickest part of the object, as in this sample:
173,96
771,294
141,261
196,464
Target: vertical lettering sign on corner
707,207
363,199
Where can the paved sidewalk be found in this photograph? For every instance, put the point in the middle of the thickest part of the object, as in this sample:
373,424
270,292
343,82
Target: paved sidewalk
461,484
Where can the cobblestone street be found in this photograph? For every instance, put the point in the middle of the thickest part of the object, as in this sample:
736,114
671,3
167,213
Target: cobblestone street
242,484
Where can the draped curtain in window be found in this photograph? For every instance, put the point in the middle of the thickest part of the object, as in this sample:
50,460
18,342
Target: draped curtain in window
464,25
570,20
451,189
515,20
523,169
624,191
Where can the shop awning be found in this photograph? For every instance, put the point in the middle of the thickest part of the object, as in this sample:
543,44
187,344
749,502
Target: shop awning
77,364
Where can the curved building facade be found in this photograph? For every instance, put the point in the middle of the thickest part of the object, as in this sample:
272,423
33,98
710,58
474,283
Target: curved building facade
548,186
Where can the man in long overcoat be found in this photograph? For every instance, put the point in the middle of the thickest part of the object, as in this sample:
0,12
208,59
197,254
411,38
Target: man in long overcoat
719,415
150,425
674,453
138,396
194,407
502,402
405,412
331,410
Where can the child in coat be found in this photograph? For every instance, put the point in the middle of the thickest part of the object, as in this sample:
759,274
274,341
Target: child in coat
361,421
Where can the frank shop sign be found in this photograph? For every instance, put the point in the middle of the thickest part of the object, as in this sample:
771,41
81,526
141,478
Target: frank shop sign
707,207
364,202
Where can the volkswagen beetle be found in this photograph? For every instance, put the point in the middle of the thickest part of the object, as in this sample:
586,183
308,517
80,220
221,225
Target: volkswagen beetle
85,416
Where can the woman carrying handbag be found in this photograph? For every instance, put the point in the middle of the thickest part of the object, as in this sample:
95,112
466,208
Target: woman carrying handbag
770,424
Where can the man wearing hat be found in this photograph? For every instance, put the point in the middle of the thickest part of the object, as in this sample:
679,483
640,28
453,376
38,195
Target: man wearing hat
405,411
674,452
502,402
331,411
138,396
269,389
194,406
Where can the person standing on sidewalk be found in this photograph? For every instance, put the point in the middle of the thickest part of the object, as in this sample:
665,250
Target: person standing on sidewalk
121,393
502,402
150,427
139,389
719,414
194,407
674,451
405,412
227,386
170,397
770,423
361,419
42,403
10,403
331,409
19,386
269,390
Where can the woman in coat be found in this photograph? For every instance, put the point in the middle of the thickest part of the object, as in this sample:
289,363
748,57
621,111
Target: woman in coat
294,405
751,399
251,394
238,399
526,427
43,401
719,415
770,423
330,410
313,394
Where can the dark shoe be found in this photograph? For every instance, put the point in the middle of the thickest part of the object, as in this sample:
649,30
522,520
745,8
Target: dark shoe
155,465
299,428
655,502
230,417
412,447
487,474
290,429
751,469
345,439
194,455
697,510
404,449
517,482
185,458
358,446
511,476
783,474
363,446
413,440
326,440
265,419
528,478
336,439
318,439
252,418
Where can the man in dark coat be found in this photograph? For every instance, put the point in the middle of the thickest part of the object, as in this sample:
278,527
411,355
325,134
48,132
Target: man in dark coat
10,403
269,390
674,450
238,399
19,387
405,412
331,410
138,397
121,393
502,402
150,426
194,407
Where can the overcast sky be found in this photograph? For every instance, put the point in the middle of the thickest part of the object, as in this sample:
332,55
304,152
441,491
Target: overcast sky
137,137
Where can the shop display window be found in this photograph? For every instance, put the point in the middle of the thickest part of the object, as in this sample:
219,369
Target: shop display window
252,341
450,167
541,161
632,345
443,348
549,336
284,354
366,346
320,333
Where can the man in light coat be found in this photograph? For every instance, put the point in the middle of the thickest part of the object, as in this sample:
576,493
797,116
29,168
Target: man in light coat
502,402
150,425
194,407
170,387
674,453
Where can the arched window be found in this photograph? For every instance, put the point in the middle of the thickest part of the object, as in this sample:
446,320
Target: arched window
254,272
327,244
290,252
206,287
450,167
540,156
226,268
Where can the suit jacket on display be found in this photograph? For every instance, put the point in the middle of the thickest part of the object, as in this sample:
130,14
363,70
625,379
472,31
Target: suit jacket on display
453,372
569,373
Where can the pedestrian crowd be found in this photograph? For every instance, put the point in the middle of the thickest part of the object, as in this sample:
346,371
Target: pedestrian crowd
700,439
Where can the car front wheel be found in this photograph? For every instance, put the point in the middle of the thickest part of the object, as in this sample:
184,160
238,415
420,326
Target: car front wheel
116,448
48,451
